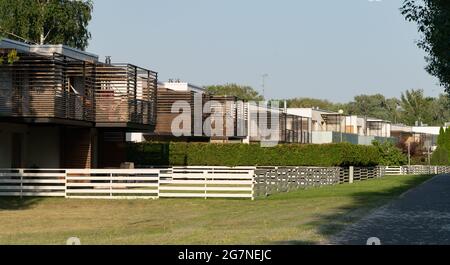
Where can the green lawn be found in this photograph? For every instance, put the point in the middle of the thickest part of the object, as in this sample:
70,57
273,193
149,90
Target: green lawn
300,217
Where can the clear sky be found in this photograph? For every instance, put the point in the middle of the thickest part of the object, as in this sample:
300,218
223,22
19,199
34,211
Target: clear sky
329,49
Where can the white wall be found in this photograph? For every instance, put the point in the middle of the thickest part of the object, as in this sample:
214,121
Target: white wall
322,137
182,86
135,137
427,130
304,112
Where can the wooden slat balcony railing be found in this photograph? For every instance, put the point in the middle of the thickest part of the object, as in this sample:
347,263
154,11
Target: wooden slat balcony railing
125,94
50,87
45,103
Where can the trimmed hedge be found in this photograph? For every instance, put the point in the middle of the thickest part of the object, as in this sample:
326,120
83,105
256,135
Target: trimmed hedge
207,154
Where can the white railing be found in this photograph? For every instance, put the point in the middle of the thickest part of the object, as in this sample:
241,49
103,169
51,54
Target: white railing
32,182
187,182
113,183
208,182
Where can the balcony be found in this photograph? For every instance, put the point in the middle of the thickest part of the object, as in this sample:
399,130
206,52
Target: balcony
62,90
125,96
46,89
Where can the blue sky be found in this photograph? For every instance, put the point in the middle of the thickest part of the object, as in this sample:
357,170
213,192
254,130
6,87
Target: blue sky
310,48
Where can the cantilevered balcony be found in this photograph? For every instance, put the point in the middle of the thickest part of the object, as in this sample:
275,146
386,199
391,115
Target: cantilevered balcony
46,89
125,96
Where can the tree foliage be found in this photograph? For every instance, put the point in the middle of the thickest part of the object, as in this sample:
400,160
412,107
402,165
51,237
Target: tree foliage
47,21
312,103
242,92
441,156
207,154
374,106
413,106
433,21
390,155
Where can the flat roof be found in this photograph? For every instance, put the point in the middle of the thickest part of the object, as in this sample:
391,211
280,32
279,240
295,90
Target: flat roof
48,50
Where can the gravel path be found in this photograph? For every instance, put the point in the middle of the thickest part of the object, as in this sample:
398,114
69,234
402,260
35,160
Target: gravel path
419,217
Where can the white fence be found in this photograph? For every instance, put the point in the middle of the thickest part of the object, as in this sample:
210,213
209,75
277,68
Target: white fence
187,182
113,183
208,182
31,182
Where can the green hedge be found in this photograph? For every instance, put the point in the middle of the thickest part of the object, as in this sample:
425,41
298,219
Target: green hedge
206,154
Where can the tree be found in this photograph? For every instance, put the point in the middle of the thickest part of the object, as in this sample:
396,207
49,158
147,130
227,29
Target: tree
433,21
441,155
438,110
375,106
242,92
311,103
47,21
414,107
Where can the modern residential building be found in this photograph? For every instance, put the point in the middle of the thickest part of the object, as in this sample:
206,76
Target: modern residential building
424,137
62,107
334,127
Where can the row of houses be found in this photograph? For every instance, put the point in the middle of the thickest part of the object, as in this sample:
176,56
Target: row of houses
294,125
64,108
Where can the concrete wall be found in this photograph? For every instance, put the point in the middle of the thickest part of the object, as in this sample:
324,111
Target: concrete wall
322,137
335,137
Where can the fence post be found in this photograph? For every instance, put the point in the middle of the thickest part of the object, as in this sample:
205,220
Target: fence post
157,186
205,172
252,172
350,174
65,183
21,172
110,184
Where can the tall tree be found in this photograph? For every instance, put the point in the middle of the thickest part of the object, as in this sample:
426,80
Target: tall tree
375,106
414,107
47,21
433,20
242,92
311,103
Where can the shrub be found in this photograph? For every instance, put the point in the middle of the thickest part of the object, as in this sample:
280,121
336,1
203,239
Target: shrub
207,154
389,155
440,157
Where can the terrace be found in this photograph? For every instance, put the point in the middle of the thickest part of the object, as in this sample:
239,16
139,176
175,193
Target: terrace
60,85
47,89
125,96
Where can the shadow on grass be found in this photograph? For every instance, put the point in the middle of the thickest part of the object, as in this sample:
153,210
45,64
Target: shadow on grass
17,203
363,203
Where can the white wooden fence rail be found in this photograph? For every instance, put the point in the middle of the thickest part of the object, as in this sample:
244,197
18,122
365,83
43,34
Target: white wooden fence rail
187,182
31,182
208,182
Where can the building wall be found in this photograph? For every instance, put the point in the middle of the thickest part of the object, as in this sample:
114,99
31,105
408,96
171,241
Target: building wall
13,143
42,147
5,147
46,146
111,148
77,148
336,137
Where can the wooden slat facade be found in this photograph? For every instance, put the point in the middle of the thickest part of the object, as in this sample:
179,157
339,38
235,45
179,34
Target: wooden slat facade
125,94
60,87
46,87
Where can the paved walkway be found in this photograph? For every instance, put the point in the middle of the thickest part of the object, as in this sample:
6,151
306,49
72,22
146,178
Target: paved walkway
420,216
